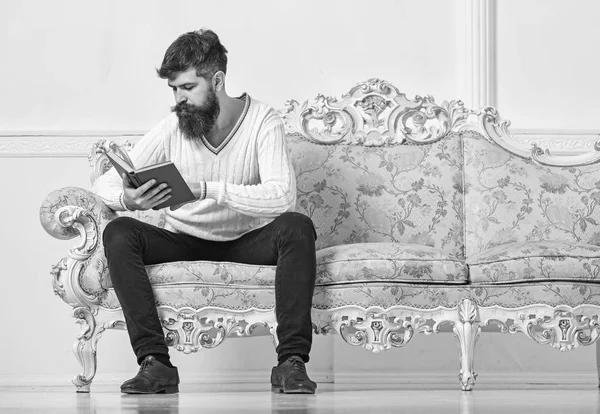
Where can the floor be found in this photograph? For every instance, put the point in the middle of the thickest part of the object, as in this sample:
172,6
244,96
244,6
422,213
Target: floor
330,398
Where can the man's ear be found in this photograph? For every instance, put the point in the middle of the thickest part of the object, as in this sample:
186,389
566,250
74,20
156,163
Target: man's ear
219,81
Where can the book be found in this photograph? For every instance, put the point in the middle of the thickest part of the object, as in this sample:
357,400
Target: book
164,172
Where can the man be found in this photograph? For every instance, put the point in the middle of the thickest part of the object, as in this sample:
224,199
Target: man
232,153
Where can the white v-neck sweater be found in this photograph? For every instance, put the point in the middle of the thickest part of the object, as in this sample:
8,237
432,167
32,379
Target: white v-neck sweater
249,177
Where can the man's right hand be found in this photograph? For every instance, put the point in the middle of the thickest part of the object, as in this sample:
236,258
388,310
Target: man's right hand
146,196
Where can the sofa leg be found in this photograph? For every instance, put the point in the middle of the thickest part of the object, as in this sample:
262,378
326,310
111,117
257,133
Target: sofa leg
85,348
273,332
466,331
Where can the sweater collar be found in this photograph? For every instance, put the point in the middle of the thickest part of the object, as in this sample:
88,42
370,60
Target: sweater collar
233,131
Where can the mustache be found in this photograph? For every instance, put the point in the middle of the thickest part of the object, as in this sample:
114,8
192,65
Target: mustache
184,107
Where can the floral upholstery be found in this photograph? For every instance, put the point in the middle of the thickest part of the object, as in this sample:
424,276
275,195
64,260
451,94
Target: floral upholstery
154,217
533,261
509,199
389,262
384,295
395,194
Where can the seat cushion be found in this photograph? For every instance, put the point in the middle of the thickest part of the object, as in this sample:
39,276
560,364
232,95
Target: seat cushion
363,262
367,295
393,262
211,273
532,261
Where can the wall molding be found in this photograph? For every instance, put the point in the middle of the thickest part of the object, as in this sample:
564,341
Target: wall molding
479,52
79,144
56,144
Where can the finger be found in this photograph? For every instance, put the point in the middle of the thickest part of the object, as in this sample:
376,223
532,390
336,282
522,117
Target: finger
146,186
158,198
160,201
158,192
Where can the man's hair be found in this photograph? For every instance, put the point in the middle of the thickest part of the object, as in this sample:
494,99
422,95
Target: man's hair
200,49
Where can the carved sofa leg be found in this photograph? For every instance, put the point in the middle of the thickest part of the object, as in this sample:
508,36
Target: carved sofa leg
466,331
85,348
87,342
273,331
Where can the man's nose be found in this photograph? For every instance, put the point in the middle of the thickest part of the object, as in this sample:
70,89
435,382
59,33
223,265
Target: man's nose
179,97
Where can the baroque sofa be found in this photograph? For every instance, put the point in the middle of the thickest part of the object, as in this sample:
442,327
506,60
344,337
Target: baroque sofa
427,215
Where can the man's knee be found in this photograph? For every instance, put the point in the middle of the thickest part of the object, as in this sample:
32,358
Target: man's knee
297,224
118,232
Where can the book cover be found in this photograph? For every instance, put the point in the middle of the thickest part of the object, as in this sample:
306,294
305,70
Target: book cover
165,172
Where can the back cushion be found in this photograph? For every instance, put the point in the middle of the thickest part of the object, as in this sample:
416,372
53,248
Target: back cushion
400,193
511,199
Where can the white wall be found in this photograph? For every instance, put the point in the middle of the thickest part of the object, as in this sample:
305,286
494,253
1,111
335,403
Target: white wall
71,69
88,66
548,64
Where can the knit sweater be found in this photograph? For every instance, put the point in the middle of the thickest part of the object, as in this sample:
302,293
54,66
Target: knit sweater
249,177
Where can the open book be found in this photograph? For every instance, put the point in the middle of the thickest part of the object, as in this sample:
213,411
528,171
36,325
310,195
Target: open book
165,172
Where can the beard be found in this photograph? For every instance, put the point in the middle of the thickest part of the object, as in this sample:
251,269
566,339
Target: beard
197,121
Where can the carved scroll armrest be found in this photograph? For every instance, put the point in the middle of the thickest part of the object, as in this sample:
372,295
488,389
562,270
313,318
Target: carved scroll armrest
75,212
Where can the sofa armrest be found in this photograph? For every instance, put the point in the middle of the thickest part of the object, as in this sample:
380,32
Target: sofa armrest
71,212
75,212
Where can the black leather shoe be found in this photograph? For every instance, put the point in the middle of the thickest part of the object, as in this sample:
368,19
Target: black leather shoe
291,378
153,378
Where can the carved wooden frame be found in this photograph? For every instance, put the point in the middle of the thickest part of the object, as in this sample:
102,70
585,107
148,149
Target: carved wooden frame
376,113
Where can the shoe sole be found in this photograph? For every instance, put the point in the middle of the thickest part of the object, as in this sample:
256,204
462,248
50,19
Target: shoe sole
166,390
278,389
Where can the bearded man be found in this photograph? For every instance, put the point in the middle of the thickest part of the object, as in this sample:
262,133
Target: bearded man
232,153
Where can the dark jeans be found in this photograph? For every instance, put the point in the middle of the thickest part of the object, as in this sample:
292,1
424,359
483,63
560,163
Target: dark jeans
288,242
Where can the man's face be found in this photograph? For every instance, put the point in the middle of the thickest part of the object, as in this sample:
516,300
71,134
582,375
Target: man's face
197,104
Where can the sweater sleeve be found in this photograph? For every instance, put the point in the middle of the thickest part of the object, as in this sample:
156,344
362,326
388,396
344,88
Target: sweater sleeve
276,192
150,149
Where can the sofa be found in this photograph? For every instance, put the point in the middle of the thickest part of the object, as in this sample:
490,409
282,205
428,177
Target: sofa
427,215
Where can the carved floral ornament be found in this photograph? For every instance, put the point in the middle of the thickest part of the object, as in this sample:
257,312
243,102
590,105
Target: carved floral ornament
376,113
189,330
99,162
563,329
373,113
57,285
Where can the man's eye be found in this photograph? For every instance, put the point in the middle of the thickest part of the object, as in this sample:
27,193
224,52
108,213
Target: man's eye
187,88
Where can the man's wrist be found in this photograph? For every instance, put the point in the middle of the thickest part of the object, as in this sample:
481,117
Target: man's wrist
122,202
199,190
